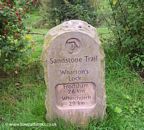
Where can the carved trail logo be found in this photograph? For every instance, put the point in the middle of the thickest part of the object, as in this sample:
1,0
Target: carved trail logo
73,45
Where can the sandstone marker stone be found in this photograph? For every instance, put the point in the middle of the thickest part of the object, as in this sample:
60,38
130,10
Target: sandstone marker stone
74,73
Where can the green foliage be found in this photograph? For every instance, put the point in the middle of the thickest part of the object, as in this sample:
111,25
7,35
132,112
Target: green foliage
58,11
129,20
12,42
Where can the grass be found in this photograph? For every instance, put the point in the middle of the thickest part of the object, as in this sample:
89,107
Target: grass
23,95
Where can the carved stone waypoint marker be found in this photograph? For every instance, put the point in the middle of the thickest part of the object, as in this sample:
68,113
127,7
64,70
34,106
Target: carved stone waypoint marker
74,73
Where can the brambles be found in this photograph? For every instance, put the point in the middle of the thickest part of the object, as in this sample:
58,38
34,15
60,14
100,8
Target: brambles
12,30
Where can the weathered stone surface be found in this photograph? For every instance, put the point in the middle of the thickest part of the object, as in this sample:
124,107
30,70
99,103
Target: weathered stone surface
74,73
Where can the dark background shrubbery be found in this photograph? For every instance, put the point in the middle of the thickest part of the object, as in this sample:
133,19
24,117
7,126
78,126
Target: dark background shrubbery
57,11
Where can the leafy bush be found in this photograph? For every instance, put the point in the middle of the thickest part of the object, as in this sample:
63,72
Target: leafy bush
129,18
58,11
12,42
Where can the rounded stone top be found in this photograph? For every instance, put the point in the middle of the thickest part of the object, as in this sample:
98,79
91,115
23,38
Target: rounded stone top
77,24
73,25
